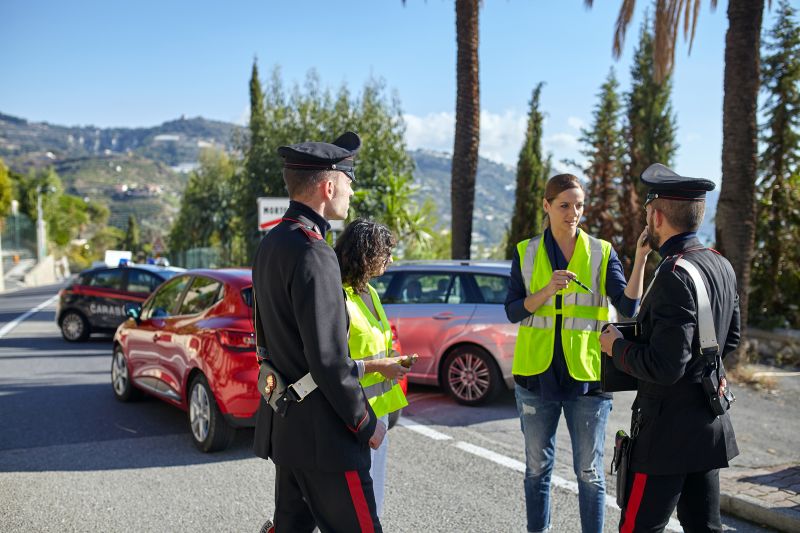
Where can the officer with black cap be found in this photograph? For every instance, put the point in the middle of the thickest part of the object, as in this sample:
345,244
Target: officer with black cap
689,321
322,427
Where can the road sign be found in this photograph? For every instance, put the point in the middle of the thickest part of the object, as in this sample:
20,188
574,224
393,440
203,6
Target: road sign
271,210
158,245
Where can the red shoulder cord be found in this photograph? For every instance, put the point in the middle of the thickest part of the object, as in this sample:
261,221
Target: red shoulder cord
310,231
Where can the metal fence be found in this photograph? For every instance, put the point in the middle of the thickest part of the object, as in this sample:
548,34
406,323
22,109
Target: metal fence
197,258
19,239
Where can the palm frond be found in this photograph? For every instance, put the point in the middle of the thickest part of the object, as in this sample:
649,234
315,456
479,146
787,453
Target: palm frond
623,21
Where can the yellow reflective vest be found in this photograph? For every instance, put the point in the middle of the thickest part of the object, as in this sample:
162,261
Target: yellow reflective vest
582,314
372,339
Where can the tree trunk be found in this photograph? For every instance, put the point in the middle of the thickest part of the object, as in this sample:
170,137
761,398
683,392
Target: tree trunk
467,134
736,211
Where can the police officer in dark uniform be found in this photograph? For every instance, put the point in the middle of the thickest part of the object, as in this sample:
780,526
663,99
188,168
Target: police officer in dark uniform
320,441
680,439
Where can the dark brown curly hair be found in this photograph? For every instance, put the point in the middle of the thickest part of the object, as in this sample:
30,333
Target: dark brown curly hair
362,247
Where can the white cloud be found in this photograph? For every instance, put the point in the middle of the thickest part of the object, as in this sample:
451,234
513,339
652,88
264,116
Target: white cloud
560,143
431,132
244,117
501,134
501,137
576,123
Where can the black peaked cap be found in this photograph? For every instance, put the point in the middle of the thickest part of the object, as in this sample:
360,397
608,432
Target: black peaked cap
338,155
663,182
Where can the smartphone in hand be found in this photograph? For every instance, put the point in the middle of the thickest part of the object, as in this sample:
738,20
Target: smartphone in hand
409,360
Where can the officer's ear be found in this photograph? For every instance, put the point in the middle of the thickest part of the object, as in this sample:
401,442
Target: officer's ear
328,188
658,218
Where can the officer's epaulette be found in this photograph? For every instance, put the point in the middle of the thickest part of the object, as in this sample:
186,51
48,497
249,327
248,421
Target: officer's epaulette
674,258
310,232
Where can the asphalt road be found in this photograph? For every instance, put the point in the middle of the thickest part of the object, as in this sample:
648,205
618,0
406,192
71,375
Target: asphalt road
72,458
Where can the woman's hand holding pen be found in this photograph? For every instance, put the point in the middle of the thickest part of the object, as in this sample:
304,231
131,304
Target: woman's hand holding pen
560,280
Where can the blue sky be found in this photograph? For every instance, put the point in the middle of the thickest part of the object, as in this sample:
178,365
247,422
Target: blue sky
131,64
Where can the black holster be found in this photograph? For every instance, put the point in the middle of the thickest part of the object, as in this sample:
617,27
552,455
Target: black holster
619,464
711,380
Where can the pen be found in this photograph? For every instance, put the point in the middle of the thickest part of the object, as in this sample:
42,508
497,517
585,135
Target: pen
581,285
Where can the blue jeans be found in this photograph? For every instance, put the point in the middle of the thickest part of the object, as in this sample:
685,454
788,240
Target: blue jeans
586,420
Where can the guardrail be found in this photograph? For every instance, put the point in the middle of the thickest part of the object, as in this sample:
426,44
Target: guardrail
780,346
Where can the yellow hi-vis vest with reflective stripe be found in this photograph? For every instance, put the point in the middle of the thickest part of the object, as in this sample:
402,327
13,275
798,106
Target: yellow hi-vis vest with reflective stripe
582,314
372,339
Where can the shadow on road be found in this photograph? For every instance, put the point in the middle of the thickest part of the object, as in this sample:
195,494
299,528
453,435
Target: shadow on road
66,349
40,419
436,407
27,292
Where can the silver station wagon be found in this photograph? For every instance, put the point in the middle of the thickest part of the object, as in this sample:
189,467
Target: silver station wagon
451,314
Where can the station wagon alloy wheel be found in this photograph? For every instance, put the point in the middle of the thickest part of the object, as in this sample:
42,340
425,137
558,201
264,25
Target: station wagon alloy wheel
470,375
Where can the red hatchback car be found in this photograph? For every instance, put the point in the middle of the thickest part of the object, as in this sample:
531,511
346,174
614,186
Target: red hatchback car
191,344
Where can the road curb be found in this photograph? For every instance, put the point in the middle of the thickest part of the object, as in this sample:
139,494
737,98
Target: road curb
748,508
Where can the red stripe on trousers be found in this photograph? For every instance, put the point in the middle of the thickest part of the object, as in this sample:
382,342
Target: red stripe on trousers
634,501
359,501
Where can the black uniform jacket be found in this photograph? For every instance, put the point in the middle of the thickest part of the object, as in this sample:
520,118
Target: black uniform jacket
298,290
679,433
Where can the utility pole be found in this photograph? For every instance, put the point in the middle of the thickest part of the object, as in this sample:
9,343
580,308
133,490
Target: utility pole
41,252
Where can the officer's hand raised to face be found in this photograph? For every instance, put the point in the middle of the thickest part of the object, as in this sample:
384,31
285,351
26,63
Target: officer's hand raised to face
377,437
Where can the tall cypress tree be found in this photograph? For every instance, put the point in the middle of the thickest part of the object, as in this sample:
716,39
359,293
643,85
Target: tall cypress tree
775,282
255,181
650,128
604,153
132,240
531,177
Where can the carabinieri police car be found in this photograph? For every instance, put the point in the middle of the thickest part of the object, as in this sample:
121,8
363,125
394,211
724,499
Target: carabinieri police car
94,301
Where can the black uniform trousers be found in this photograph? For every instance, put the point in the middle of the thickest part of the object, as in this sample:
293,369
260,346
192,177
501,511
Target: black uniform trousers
651,500
335,502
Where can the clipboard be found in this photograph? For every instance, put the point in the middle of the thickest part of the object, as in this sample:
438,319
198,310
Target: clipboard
611,378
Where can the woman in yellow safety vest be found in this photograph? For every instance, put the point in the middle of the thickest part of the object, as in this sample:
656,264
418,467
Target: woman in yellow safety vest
561,284
364,251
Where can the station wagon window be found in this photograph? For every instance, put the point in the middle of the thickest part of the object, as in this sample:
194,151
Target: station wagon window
493,288
201,295
431,288
162,304
107,279
141,281
380,284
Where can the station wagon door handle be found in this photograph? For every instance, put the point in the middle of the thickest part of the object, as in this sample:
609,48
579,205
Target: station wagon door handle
447,315
156,336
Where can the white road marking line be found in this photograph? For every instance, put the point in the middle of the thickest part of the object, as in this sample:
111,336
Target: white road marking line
423,430
518,466
14,323
776,374
129,430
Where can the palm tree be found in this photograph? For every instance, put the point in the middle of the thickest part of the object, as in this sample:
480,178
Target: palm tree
468,124
736,214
